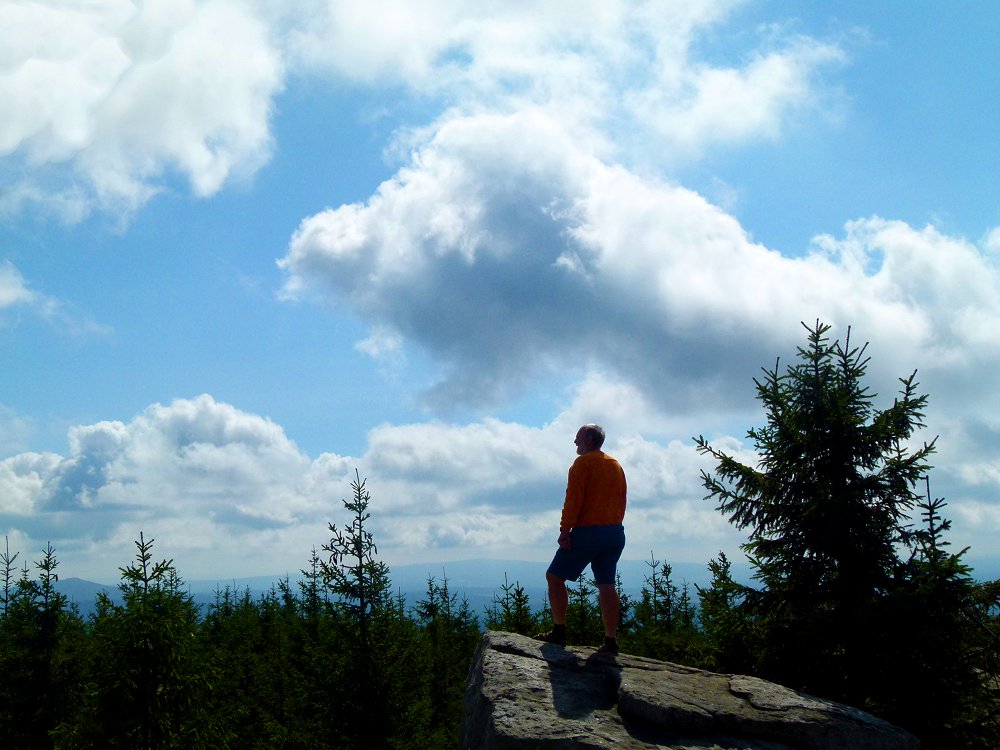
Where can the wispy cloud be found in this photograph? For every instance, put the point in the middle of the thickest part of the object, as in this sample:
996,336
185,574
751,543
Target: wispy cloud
17,299
13,289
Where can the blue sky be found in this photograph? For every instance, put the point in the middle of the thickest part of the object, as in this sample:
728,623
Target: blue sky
244,251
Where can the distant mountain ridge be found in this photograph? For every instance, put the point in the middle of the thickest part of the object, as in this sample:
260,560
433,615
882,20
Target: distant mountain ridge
476,580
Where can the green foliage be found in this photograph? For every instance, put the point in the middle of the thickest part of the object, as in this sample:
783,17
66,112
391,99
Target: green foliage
7,573
828,507
626,612
337,662
664,620
938,688
353,571
825,509
449,635
511,610
729,636
371,683
40,655
583,616
264,648
149,683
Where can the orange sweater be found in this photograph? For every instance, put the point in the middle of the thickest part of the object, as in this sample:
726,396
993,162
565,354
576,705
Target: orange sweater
595,492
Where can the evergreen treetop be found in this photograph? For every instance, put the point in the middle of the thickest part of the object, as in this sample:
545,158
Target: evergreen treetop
835,483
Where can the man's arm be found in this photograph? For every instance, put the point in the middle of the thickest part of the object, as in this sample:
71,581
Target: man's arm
572,503
574,497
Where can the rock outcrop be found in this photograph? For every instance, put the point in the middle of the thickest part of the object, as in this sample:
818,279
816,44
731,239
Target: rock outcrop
524,694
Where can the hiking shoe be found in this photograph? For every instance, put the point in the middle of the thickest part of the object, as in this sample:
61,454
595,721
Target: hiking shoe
558,639
608,647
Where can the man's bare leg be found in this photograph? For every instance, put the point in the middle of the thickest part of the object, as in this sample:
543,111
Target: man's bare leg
558,598
611,607
559,604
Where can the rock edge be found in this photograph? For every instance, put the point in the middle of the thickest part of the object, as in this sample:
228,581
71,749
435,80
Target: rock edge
523,693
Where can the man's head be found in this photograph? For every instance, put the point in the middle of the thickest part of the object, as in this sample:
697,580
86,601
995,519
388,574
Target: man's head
589,438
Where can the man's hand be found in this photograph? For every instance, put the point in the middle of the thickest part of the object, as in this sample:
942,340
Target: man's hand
564,539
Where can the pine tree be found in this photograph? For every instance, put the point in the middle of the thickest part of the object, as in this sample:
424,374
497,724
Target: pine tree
352,570
150,683
583,615
829,506
724,622
374,687
313,589
939,689
826,507
450,633
626,609
665,619
41,659
7,572
511,610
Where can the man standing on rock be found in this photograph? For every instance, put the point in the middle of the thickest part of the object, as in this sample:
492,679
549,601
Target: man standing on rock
590,532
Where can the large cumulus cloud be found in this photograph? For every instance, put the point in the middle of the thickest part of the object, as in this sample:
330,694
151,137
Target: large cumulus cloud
509,253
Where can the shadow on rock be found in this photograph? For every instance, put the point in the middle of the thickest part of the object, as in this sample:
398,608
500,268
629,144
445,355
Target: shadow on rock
581,686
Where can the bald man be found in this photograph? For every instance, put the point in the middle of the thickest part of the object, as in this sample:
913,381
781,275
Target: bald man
590,533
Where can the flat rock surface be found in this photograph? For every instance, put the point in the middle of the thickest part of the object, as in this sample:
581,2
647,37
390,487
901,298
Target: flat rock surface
524,693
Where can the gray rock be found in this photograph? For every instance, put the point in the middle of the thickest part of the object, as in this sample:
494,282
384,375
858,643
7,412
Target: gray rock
523,693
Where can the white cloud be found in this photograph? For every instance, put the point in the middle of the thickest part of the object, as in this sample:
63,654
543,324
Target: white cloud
15,430
198,461
23,478
705,105
119,96
225,492
507,253
978,514
623,76
115,99
992,242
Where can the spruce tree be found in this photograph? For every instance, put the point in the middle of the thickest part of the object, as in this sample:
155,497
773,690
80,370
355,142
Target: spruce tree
150,684
584,626
8,574
854,601
511,610
352,569
449,634
41,655
936,683
664,619
826,507
723,621
373,685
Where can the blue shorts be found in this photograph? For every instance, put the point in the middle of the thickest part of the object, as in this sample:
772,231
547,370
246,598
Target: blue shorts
599,546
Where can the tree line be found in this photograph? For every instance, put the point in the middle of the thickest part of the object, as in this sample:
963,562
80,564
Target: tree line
855,597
